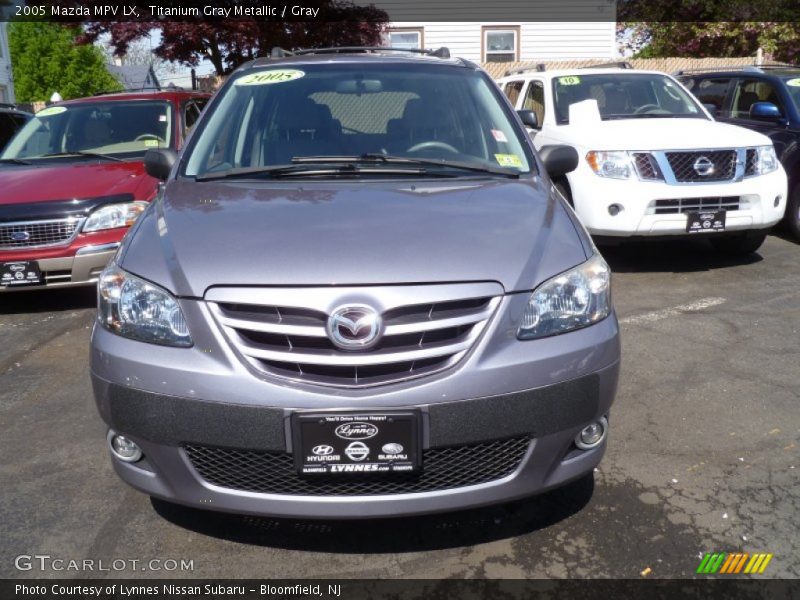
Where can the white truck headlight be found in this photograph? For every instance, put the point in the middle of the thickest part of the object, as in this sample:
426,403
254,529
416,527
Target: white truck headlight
616,165
575,299
112,216
766,160
137,309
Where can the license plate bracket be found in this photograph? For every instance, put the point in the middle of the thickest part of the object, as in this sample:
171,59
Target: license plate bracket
20,273
705,221
349,443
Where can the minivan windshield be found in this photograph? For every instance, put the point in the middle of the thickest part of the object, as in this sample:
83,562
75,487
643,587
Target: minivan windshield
395,116
113,129
624,96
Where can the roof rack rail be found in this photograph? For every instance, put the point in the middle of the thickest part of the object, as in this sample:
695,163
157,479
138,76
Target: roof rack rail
539,68
620,64
442,52
751,68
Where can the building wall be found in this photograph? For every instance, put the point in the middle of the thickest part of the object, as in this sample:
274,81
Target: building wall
544,40
6,86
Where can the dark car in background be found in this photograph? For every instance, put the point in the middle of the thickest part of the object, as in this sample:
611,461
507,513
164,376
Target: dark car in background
11,120
72,181
765,99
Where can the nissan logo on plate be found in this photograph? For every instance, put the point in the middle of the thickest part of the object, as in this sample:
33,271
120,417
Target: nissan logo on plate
355,327
357,451
356,431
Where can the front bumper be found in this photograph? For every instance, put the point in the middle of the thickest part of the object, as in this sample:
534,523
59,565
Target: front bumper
70,271
169,400
762,203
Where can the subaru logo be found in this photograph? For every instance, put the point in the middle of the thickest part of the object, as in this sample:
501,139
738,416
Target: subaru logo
20,236
354,327
356,431
357,451
703,166
392,448
322,450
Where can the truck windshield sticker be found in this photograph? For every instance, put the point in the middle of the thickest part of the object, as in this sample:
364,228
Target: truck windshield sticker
49,112
793,82
571,80
270,77
508,160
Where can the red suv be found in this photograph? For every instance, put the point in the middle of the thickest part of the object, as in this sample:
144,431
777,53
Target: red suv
72,181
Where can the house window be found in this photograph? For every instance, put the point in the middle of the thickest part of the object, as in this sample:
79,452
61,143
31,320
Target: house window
404,38
500,44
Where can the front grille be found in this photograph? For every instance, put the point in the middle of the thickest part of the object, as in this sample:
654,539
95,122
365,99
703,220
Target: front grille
38,234
274,472
751,162
646,166
683,165
289,338
684,205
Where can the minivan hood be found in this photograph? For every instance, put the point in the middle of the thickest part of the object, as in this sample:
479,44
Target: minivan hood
74,180
660,134
199,235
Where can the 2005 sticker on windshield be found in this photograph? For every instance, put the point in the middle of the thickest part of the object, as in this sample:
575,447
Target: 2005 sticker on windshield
570,80
270,77
50,111
508,160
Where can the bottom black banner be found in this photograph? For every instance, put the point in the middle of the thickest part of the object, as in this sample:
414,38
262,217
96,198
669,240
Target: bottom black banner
401,589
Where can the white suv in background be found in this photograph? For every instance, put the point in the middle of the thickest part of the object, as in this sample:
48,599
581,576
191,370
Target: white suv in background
653,161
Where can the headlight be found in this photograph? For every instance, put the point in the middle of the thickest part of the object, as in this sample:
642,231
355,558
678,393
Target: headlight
766,160
610,164
112,216
136,309
569,301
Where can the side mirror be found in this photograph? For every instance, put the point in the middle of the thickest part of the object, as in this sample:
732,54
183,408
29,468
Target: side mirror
158,163
558,160
765,111
528,118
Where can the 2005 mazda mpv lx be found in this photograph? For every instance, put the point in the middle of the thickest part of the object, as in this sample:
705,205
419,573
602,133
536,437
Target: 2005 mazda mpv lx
356,295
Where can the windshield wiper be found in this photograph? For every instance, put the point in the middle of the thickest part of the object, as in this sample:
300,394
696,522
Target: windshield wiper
14,161
81,153
375,157
309,168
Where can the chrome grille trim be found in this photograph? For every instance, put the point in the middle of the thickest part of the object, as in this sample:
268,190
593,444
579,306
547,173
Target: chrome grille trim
657,165
45,233
282,331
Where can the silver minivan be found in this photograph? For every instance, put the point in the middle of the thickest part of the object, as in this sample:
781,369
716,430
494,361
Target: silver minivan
356,295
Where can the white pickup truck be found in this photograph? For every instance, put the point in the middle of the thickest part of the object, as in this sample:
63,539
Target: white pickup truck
653,161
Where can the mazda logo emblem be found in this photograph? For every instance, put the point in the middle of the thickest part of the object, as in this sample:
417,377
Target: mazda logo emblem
354,327
703,166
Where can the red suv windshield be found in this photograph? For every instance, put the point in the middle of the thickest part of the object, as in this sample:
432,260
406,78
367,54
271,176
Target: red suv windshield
123,129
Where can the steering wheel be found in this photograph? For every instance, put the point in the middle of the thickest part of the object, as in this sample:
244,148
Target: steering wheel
646,108
149,136
432,144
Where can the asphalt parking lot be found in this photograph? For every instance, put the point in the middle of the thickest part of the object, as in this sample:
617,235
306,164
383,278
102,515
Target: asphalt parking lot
703,453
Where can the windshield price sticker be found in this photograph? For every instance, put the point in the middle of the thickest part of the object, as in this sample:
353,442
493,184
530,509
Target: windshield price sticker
571,80
270,77
49,112
793,82
508,160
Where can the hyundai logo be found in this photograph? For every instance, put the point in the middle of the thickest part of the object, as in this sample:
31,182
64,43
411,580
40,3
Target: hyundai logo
322,450
20,236
356,431
357,451
703,166
354,327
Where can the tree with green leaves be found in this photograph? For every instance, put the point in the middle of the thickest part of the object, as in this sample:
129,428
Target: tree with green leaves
45,59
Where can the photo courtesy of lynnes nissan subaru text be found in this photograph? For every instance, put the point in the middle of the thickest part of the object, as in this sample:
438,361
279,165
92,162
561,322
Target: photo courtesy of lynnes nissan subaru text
356,295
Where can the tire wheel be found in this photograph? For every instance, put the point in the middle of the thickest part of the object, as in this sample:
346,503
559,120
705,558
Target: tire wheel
793,212
740,245
563,188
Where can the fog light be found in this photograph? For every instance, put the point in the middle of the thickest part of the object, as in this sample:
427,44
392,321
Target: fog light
591,435
778,200
614,209
124,448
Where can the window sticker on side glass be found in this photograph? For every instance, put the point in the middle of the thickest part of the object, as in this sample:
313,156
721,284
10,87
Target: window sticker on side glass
570,80
49,112
270,77
508,160
794,82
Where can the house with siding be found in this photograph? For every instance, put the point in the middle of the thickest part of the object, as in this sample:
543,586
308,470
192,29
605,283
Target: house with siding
6,81
509,41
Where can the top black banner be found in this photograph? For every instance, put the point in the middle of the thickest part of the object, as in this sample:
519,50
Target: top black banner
510,11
